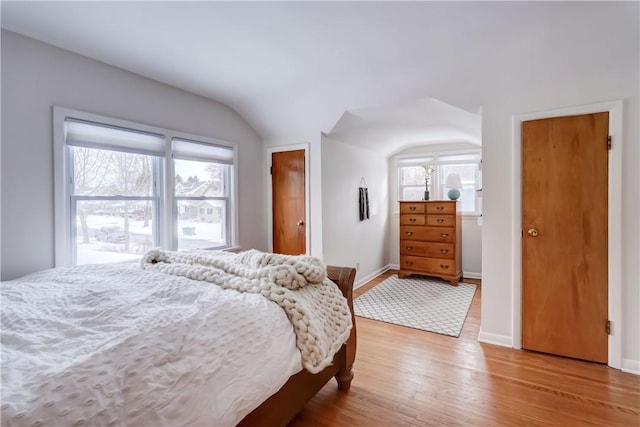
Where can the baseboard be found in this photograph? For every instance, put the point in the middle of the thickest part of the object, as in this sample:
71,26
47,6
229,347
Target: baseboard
467,274
371,276
495,339
631,366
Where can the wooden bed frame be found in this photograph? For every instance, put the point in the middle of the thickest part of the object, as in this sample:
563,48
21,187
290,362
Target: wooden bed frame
282,406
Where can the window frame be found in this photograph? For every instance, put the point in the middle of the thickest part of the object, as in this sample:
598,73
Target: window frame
439,158
156,175
166,224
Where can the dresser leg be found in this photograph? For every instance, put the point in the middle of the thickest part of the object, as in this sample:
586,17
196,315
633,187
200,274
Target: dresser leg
454,282
402,274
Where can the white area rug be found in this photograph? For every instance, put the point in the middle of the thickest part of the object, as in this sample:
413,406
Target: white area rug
422,303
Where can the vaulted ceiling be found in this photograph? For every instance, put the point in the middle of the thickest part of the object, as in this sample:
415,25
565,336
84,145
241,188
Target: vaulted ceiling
291,68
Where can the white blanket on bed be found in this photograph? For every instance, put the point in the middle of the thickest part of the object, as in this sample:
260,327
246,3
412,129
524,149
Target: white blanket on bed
104,345
314,304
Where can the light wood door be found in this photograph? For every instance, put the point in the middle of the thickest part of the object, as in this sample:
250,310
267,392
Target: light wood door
288,203
564,241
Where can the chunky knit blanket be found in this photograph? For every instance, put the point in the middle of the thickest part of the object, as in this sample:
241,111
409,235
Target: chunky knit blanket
314,305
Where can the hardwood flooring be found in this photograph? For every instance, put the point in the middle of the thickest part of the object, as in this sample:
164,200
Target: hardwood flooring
407,377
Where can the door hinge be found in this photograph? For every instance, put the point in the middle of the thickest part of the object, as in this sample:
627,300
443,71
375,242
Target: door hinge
609,143
270,170
608,327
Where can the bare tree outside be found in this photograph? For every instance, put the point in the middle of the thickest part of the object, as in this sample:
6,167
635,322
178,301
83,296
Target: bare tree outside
90,170
111,173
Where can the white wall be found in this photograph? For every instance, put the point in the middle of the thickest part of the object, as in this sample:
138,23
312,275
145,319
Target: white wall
36,76
346,240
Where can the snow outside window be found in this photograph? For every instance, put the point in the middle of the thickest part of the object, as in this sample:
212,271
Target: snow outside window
123,188
412,175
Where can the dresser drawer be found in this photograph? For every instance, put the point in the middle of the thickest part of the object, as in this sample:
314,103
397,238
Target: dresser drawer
427,249
409,219
429,234
441,208
428,265
411,208
441,220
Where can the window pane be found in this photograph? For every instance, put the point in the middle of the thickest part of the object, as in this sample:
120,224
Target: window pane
468,198
468,173
412,175
199,179
111,173
202,224
413,193
113,230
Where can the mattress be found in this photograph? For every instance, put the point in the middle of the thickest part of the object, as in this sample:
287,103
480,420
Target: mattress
113,345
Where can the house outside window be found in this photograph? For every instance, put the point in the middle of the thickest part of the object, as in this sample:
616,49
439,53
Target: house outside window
123,188
412,175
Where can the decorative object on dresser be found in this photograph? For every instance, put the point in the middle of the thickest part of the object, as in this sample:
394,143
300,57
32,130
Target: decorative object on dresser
429,168
431,240
454,184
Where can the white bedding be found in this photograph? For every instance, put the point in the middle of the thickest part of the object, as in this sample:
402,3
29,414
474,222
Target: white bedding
107,345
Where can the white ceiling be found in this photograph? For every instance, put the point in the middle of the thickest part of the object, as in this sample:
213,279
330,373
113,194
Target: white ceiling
291,68
391,128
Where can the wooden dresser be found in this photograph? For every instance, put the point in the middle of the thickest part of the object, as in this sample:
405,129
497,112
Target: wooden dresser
431,240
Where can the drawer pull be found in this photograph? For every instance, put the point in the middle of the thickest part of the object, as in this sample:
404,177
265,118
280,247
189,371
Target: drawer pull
409,233
439,220
412,220
444,266
444,251
412,208
409,263
444,235
439,208
409,248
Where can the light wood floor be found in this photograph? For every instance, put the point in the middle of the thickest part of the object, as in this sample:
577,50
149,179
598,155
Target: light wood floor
407,377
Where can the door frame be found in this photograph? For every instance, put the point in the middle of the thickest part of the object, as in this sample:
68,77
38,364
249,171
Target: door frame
279,149
614,108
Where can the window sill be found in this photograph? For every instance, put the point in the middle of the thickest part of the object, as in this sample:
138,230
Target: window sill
471,215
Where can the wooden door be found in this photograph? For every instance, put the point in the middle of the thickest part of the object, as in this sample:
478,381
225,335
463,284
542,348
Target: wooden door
564,240
288,190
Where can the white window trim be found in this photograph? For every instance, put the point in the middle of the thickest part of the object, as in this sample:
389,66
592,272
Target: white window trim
435,154
167,225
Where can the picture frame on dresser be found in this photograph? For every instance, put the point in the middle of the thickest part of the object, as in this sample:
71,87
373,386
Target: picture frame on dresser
431,239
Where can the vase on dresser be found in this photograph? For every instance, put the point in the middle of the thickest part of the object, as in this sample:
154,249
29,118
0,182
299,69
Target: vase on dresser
431,239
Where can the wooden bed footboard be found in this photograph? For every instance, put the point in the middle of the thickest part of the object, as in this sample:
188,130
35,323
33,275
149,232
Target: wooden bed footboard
282,406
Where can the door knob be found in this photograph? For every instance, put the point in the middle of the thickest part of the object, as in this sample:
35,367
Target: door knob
532,232
300,223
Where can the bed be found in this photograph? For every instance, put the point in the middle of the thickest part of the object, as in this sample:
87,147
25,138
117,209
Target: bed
198,338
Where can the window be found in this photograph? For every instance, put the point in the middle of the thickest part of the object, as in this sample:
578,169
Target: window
202,177
123,188
412,175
